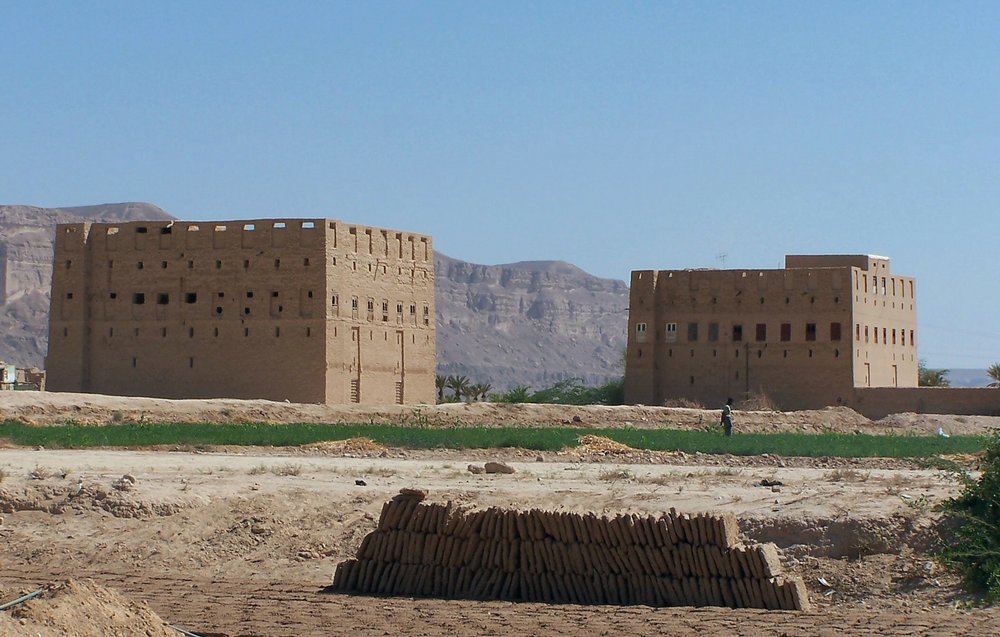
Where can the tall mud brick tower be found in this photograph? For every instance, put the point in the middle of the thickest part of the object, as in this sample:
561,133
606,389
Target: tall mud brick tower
312,311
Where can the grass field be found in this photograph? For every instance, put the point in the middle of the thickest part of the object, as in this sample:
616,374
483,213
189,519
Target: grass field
542,439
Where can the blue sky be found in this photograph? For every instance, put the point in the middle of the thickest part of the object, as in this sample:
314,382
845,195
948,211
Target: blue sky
615,136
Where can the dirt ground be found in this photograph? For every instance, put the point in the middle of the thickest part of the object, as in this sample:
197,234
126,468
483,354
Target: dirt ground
58,408
240,542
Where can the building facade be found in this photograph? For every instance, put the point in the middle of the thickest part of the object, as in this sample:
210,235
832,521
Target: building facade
313,311
805,336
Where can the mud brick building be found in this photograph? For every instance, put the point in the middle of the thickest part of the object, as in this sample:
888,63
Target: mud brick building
805,336
313,311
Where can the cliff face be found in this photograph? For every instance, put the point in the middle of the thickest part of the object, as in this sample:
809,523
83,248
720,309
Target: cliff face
26,236
531,323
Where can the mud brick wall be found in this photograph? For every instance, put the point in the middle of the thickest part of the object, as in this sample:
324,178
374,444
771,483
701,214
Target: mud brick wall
438,550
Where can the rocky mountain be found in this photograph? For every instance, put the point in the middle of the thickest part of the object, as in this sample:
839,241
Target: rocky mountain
26,236
531,323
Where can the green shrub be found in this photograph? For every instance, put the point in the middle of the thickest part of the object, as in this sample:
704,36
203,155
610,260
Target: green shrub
970,531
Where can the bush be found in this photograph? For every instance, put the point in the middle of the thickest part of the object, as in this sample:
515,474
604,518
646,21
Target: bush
568,392
971,530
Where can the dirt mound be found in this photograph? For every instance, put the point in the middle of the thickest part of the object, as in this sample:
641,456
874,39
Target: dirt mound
351,445
60,498
599,445
82,609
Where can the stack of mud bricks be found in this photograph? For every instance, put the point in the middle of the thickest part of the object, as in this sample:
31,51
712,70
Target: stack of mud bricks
436,550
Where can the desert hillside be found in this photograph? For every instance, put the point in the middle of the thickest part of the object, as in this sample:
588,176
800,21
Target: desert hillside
529,323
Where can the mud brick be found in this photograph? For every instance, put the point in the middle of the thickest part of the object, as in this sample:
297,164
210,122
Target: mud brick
770,560
416,518
513,556
725,592
543,519
716,590
468,547
440,517
521,526
775,598
614,532
580,529
383,517
787,597
491,526
734,562
391,513
740,553
673,530
365,551
800,596
380,546
637,529
628,530
537,529
595,528
354,576
654,555
569,528
604,560
756,592
430,548
743,586
474,524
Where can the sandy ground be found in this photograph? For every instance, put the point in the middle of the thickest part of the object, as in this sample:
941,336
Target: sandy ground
58,408
236,541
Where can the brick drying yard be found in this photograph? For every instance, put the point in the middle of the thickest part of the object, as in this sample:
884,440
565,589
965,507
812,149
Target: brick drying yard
241,541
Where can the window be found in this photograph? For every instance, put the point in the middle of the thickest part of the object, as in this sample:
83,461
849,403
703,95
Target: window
413,309
894,336
902,335
138,298
640,333
277,263
163,264
162,298
671,331
371,305
912,340
761,334
190,265
191,297
305,261
737,333
354,302
692,332
114,295
333,300
786,332
249,295
218,265
140,266
885,335
866,333
857,331
834,331
69,296
810,331
713,332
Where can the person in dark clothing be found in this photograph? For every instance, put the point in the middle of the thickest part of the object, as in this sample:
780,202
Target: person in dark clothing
727,417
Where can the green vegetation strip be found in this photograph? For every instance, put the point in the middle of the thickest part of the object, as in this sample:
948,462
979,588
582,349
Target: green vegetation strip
542,439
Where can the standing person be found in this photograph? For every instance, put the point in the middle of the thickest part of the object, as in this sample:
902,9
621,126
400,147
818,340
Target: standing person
727,417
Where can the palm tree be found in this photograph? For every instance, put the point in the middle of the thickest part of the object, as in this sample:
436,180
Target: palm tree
994,372
484,390
440,382
478,391
459,385
927,377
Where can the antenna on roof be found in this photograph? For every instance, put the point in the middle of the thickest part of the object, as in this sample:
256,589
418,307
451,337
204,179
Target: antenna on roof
722,259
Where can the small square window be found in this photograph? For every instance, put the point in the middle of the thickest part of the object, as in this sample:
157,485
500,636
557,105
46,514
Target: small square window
138,298
162,298
191,297
810,331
